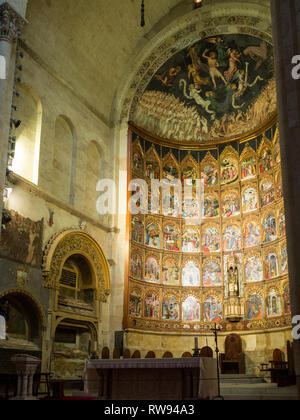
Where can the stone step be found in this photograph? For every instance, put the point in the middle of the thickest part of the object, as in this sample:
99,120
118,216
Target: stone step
258,390
242,379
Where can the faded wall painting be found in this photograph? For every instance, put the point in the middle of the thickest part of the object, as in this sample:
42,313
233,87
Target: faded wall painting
255,306
22,240
190,309
170,308
190,275
212,310
218,88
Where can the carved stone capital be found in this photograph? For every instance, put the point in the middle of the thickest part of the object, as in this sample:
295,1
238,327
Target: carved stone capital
11,23
102,295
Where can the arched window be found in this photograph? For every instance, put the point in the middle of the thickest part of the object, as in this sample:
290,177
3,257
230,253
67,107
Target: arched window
28,134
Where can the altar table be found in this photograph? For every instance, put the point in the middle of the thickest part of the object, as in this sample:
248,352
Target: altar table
152,379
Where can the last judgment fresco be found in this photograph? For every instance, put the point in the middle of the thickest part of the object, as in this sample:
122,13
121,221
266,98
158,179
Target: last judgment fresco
178,276
218,88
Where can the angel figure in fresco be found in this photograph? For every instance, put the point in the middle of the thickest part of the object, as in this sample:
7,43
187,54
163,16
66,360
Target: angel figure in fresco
234,57
195,94
198,80
213,65
218,42
167,77
258,54
196,67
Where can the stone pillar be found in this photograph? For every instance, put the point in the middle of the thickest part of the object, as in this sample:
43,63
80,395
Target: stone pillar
11,24
286,33
25,366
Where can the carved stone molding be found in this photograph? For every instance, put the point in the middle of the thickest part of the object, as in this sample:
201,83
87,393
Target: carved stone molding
70,242
11,23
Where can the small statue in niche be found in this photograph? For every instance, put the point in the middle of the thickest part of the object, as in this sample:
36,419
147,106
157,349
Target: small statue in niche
233,277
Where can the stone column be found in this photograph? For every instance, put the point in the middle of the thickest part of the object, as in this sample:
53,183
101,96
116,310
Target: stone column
286,33
11,24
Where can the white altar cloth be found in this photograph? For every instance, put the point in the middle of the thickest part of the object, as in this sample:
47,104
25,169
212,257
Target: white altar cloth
160,379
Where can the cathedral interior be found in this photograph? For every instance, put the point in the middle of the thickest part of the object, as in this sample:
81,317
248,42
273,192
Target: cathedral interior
197,98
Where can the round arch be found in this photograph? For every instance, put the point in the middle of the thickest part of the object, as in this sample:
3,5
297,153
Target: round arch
31,300
73,242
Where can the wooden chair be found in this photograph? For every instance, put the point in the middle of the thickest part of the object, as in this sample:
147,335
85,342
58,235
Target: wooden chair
232,361
206,352
116,354
150,355
279,368
105,353
126,354
168,355
187,354
136,355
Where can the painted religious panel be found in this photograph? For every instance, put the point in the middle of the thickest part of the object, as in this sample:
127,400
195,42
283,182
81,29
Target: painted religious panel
210,206
170,272
210,175
190,309
255,306
135,303
210,239
152,270
274,307
137,230
215,89
229,170
278,185
171,204
190,206
232,240
281,223
230,205
170,308
251,234
286,299
271,266
136,268
152,238
249,200
171,238
277,157
152,170
284,260
248,167
269,229
265,160
189,173
137,163
153,202
190,241
151,305
253,269
212,310
190,275
170,170
212,275
267,193
22,240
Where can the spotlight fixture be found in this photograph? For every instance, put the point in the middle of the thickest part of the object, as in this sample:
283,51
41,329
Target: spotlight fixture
197,4
18,79
20,67
16,123
17,93
15,107
20,54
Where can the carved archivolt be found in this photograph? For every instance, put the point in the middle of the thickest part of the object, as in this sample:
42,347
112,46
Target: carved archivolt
72,242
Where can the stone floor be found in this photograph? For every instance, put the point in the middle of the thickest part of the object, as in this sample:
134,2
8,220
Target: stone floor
249,387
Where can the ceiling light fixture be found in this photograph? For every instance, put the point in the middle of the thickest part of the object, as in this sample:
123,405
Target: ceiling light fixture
197,4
